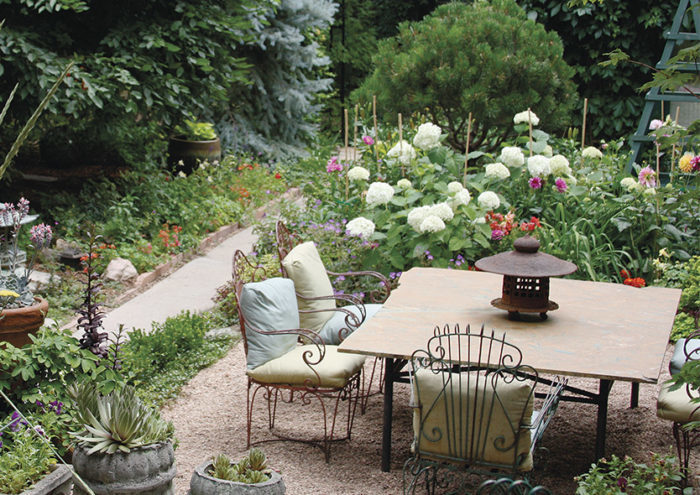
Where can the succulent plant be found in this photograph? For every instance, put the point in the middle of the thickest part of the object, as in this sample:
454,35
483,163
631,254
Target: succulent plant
116,421
251,469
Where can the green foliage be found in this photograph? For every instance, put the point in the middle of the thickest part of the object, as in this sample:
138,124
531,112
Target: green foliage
591,30
252,469
511,63
118,421
196,131
685,276
623,475
24,457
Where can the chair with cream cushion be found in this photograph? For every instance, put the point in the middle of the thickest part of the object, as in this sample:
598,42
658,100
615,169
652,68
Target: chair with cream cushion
287,363
682,405
473,409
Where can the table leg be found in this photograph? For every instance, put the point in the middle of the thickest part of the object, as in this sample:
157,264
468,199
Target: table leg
634,399
603,393
388,413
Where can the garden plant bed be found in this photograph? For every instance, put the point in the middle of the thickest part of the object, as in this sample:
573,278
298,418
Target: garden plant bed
209,417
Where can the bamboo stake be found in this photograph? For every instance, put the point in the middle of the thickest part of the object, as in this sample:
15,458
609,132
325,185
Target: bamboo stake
403,172
376,135
466,151
529,127
354,135
673,149
583,128
347,183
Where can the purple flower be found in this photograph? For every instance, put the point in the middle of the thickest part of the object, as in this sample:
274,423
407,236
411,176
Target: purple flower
497,234
368,140
41,235
561,185
429,256
535,182
695,162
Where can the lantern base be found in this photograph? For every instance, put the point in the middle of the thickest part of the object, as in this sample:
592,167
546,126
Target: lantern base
514,311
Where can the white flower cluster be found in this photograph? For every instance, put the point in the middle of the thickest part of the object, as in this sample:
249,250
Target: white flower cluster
512,156
488,200
591,152
404,184
497,170
630,184
454,187
358,173
360,226
379,193
427,137
403,152
538,166
559,166
522,118
461,198
430,218
547,151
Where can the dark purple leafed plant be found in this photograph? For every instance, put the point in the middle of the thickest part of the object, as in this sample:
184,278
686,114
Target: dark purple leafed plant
90,319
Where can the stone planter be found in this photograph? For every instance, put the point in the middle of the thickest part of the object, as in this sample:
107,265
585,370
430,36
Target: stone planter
191,152
205,484
145,470
58,482
17,323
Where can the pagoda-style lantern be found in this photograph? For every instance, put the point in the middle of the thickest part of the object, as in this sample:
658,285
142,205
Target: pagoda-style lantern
526,275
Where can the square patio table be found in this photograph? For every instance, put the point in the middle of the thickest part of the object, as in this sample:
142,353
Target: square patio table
603,331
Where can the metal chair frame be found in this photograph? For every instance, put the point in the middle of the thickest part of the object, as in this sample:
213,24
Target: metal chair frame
484,360
286,241
243,272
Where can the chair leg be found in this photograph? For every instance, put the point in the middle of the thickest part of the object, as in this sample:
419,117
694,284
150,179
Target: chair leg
367,391
684,445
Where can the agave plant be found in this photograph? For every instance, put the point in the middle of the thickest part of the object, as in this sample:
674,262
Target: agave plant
116,421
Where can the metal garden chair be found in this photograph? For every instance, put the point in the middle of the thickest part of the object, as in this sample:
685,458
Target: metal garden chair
474,411
288,363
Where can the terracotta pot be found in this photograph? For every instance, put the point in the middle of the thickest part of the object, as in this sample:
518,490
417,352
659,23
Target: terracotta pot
190,153
17,323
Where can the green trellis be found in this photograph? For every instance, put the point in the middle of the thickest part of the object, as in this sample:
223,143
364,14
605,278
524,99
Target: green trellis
655,97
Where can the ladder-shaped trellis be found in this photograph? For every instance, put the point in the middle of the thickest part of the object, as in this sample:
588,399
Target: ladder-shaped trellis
655,97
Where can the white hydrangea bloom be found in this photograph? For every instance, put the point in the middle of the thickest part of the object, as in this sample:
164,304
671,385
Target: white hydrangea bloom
416,217
591,152
360,226
461,198
379,193
497,170
404,184
538,166
403,152
358,173
559,166
649,191
629,183
548,151
432,224
512,156
427,137
480,220
522,118
442,211
454,187
489,200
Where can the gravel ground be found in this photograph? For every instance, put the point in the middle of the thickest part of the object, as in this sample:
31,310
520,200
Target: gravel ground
209,417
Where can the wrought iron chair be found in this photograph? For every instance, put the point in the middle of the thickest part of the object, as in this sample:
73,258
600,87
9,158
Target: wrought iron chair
293,252
682,405
507,486
287,363
474,411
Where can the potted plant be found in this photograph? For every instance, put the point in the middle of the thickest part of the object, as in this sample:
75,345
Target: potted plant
124,447
250,475
192,142
22,313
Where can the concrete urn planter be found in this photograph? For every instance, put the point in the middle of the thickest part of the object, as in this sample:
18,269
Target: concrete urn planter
205,484
58,482
145,470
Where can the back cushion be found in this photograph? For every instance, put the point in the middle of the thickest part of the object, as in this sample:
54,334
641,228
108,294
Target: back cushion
269,305
305,268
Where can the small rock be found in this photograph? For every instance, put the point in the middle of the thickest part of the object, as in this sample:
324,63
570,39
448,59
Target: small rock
120,269
39,280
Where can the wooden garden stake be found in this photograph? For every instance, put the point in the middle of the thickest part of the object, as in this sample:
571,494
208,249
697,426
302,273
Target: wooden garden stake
403,172
583,127
529,127
673,149
347,184
354,134
376,135
466,151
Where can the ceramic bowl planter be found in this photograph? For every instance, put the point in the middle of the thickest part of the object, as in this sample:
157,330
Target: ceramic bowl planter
17,323
58,482
184,155
205,484
143,470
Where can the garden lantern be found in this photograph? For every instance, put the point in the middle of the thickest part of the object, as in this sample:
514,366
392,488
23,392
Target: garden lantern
526,274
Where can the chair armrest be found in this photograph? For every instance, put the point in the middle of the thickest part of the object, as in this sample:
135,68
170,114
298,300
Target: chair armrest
379,295
549,407
304,335
352,320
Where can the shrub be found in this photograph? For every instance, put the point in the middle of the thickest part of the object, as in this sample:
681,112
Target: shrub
486,58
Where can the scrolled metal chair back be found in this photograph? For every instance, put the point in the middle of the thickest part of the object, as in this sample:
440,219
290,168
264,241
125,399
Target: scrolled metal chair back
286,241
244,271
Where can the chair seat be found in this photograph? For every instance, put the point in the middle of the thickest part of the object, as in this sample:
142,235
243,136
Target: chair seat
330,333
675,405
334,370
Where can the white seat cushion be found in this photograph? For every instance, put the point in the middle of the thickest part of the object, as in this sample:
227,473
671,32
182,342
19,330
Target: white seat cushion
676,405
334,370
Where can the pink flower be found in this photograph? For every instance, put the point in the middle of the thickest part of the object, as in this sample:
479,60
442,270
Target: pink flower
647,177
497,234
368,140
333,165
535,182
561,185
695,162
655,124
41,236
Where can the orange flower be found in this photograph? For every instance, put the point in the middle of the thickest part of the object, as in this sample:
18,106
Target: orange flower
635,282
